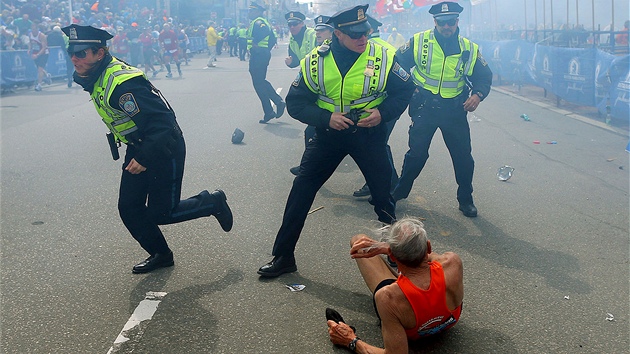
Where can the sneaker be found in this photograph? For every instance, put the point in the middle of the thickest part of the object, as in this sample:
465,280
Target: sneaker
169,75
38,87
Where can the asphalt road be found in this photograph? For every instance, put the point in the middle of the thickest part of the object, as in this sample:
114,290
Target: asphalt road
545,262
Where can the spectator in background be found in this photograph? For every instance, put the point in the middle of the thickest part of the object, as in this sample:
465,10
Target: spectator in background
212,38
396,39
23,25
621,39
56,38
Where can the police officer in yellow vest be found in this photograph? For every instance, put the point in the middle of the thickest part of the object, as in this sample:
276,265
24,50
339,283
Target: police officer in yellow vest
137,115
323,31
375,37
302,40
242,41
259,36
348,88
444,62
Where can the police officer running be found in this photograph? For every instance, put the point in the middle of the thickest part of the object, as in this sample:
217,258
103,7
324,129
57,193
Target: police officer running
259,36
448,67
348,122
302,39
137,115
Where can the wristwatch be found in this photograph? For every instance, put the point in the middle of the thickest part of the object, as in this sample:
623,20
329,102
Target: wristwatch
479,94
353,344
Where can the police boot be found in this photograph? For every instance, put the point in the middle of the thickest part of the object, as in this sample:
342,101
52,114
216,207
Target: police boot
278,266
221,210
362,192
154,262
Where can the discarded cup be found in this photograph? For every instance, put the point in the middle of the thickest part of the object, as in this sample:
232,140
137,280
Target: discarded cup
525,117
553,142
505,173
536,142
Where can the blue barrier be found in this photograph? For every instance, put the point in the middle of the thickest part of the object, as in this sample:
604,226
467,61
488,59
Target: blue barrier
584,76
197,44
17,67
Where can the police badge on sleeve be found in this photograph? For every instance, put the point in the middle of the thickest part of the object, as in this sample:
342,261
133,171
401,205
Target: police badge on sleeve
128,104
400,72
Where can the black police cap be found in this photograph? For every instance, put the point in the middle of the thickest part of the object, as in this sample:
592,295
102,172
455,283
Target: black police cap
446,10
84,37
353,19
294,16
237,136
321,22
254,6
374,22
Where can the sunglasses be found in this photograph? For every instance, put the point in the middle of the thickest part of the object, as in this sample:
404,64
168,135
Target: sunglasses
450,22
80,54
356,35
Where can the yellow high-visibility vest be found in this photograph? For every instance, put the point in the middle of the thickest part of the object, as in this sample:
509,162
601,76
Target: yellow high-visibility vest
438,74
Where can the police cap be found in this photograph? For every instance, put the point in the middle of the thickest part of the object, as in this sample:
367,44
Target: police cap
237,136
446,10
84,37
374,23
294,17
321,23
352,19
254,6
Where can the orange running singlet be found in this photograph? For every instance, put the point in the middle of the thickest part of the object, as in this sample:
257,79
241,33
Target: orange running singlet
429,306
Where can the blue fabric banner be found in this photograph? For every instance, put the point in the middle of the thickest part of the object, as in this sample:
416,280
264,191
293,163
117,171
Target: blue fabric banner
584,76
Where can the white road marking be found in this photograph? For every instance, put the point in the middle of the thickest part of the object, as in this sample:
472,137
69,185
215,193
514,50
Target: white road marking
144,312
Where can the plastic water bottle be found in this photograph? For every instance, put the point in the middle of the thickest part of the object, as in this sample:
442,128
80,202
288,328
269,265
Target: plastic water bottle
505,173
525,117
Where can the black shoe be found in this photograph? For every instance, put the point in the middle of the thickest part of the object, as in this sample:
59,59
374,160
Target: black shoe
154,262
222,210
280,108
362,192
295,170
468,209
266,119
333,315
278,265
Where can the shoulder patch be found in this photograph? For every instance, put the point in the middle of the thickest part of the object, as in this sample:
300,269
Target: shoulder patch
400,72
128,104
405,47
297,80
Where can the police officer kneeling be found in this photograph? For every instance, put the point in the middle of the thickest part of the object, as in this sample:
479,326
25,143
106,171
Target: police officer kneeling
137,115
347,88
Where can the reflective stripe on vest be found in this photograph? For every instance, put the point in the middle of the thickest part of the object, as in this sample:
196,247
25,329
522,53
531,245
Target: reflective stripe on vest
439,74
264,43
116,119
308,43
362,87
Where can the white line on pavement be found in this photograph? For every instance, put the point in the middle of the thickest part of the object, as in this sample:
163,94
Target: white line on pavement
144,312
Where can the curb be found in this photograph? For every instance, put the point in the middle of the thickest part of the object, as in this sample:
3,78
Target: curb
564,112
